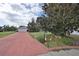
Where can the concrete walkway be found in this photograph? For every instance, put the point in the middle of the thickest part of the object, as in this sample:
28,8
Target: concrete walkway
21,44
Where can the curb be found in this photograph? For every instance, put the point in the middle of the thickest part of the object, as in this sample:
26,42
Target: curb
63,48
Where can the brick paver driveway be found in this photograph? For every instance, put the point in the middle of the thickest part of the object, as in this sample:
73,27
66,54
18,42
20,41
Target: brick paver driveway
20,44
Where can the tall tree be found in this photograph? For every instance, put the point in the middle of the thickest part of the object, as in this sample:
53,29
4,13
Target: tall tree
42,22
9,28
62,18
1,29
32,26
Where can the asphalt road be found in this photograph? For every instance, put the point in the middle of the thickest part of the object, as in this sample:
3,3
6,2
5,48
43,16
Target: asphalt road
71,52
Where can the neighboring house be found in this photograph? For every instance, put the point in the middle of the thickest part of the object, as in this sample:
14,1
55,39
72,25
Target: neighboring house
75,32
22,29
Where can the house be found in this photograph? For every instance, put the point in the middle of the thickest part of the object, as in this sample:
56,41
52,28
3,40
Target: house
22,29
75,33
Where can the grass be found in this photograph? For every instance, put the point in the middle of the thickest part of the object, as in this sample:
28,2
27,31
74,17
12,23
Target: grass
52,40
75,37
39,36
3,34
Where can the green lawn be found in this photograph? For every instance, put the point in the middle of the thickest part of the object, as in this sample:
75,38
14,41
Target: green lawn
52,40
2,34
39,36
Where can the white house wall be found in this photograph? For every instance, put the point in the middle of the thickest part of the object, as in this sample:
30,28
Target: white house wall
22,30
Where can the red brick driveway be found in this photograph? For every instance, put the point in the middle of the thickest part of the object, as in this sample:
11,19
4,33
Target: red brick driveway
21,44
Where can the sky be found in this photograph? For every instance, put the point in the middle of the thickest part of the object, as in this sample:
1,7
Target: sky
18,14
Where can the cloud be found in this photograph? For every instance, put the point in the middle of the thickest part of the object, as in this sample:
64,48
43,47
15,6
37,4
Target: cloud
18,14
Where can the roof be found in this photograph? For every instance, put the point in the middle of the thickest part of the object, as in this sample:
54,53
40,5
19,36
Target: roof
23,27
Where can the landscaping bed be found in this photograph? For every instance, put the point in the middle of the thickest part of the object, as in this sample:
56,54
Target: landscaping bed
52,40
